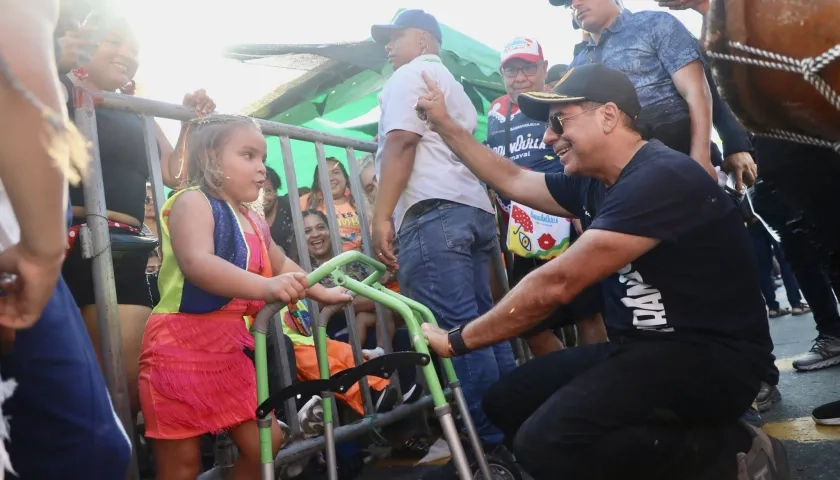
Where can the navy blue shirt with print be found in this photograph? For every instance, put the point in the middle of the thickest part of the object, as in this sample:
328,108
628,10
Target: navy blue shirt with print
700,282
526,148
649,47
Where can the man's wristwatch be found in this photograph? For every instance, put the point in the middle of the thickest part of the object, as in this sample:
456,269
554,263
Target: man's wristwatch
456,342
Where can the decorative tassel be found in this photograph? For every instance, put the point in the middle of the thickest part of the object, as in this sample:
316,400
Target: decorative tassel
64,143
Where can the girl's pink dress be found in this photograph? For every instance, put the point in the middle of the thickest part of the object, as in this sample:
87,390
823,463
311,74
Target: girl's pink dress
194,375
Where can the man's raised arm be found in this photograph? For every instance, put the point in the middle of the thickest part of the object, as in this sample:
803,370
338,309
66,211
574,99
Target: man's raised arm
502,175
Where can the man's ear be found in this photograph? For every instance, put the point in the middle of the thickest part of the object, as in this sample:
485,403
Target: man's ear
612,117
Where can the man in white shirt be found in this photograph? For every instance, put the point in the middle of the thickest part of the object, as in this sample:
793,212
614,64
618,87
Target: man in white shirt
438,209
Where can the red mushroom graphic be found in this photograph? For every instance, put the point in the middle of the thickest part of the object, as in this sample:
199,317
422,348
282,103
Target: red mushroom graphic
546,241
522,219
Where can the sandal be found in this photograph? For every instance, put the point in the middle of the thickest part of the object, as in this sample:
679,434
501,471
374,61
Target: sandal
777,312
800,310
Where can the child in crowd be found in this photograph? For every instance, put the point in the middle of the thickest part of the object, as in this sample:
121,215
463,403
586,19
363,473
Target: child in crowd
219,267
297,326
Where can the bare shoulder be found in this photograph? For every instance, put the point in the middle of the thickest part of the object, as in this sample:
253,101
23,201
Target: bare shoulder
191,207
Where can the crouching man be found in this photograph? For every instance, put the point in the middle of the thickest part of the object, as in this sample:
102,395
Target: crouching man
690,342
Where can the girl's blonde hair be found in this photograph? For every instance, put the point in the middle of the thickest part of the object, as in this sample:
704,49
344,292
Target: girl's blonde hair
201,160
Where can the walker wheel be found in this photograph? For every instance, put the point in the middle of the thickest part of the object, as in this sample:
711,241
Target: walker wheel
499,469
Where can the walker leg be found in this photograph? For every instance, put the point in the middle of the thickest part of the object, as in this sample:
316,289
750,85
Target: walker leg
450,433
472,433
329,437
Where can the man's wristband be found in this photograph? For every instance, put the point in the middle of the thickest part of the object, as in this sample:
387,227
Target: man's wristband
456,341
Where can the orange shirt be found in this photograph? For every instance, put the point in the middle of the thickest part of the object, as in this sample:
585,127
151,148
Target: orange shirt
348,224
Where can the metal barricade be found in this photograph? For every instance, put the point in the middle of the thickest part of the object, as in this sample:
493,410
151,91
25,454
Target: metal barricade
103,274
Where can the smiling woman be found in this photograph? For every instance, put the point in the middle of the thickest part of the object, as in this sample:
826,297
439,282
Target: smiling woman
122,152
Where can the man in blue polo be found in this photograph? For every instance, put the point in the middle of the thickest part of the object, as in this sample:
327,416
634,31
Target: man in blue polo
661,58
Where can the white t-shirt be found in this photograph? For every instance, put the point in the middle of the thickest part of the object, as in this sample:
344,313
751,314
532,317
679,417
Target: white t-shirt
437,172
9,228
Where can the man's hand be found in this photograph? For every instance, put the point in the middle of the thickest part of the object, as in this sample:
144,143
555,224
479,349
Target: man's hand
432,106
743,167
27,294
438,339
383,243
200,102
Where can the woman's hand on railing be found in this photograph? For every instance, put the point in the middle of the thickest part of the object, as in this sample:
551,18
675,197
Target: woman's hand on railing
200,102
285,288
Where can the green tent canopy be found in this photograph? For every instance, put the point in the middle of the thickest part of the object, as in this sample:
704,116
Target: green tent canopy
339,89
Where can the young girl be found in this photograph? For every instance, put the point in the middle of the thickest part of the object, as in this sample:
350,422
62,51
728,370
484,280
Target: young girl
219,267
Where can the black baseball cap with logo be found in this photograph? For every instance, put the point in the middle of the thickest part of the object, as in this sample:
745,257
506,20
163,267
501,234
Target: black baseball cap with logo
594,82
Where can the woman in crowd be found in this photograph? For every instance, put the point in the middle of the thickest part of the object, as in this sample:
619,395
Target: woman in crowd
122,152
150,225
367,176
320,250
345,204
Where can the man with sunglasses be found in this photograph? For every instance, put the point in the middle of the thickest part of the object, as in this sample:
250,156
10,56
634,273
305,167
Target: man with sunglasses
689,340
519,138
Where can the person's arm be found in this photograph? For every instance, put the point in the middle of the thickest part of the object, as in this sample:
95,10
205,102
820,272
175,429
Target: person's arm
691,83
735,137
171,158
508,180
677,51
33,177
503,176
596,255
660,204
398,152
281,264
737,146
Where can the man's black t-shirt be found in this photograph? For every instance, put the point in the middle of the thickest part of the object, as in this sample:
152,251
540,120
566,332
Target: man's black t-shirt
700,282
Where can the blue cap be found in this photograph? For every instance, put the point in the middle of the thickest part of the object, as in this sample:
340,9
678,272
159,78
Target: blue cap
407,19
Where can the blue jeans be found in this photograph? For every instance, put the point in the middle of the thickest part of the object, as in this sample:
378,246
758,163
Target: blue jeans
764,249
62,422
444,256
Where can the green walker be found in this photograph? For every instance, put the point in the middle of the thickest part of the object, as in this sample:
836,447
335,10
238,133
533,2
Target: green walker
413,313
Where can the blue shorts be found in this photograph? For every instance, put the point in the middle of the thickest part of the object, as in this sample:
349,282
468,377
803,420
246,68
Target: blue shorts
62,422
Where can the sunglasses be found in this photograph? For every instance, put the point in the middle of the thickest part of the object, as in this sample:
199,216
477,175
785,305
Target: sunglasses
529,70
555,122
148,200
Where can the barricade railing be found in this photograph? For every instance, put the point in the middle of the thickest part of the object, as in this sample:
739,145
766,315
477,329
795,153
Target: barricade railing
95,240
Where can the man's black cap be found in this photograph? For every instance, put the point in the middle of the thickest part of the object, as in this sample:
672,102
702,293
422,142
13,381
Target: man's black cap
594,82
561,3
407,19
